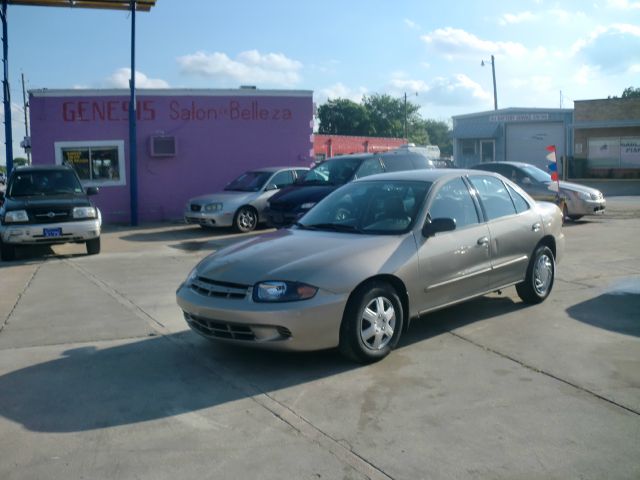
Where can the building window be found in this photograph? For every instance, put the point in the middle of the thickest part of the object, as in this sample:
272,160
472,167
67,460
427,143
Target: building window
468,147
97,163
613,157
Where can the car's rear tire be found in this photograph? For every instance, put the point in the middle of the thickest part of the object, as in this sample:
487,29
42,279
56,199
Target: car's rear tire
7,252
538,282
93,246
372,323
245,220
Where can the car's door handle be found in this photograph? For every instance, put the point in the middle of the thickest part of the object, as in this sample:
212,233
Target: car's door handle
535,227
484,241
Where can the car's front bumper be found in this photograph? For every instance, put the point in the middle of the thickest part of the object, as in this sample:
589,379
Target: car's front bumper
34,234
222,219
578,206
312,324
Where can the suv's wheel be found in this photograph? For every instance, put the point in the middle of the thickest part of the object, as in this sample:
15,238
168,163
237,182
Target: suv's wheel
93,246
372,323
246,220
7,251
541,272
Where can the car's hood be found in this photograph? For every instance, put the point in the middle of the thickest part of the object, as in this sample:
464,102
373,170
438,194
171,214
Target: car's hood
330,260
575,187
229,196
299,194
50,201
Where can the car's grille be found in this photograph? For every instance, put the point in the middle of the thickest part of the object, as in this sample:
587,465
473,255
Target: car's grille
49,215
195,208
211,288
219,329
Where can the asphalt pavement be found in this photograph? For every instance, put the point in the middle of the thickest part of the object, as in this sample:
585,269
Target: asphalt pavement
100,377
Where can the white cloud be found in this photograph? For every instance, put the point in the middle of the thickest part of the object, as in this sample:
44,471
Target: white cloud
613,48
411,24
120,79
453,42
249,67
512,18
458,90
339,90
585,75
623,4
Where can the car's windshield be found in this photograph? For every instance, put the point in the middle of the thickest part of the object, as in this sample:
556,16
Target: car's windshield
536,174
333,172
374,207
249,182
44,182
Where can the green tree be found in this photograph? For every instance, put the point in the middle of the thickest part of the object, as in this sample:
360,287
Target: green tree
19,161
343,117
387,115
631,92
441,135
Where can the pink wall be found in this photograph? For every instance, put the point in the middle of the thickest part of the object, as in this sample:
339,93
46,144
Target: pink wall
219,133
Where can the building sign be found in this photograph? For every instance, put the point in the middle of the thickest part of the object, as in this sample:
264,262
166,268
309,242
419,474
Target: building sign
630,152
520,117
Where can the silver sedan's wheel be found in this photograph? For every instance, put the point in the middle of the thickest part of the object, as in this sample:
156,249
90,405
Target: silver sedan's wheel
372,322
246,220
378,323
540,275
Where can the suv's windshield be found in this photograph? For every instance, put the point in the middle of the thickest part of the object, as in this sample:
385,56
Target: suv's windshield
375,207
44,182
336,171
249,182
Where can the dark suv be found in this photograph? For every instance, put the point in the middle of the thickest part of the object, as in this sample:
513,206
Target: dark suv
47,205
285,207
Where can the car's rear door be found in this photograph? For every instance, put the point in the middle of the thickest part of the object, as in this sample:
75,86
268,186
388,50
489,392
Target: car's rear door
514,226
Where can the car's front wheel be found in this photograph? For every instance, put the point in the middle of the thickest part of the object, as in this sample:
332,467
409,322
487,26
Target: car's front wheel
372,323
538,282
246,220
93,246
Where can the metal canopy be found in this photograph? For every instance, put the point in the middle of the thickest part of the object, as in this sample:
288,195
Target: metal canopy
129,5
141,5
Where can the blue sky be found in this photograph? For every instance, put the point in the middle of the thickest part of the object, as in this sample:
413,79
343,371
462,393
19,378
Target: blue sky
430,50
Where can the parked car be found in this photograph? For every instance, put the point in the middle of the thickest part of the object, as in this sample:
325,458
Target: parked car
47,205
579,200
291,203
3,178
243,201
372,256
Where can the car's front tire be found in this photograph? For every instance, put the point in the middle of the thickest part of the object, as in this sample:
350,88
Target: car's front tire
538,282
7,251
245,220
372,323
93,246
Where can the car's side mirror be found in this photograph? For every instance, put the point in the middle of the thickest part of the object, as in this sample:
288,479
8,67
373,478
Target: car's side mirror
271,186
92,190
437,225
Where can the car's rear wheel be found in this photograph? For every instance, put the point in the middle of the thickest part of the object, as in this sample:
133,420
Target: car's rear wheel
246,220
372,323
7,251
93,246
540,276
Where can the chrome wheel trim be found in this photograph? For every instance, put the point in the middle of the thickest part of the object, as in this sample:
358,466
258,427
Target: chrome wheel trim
543,274
378,323
247,219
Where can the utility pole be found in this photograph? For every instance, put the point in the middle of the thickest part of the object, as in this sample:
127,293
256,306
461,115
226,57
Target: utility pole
405,116
8,137
495,90
25,105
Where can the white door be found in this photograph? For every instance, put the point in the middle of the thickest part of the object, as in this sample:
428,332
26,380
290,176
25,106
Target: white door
527,142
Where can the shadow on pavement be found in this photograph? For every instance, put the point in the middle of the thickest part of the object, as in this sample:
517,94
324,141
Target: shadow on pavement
616,312
160,377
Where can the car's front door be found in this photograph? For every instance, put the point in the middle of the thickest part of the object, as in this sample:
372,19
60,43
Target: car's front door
456,264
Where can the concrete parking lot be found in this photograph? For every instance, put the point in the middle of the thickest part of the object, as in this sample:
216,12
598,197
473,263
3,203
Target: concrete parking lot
101,379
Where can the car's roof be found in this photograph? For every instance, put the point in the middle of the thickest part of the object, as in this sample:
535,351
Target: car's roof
35,168
515,164
423,174
275,169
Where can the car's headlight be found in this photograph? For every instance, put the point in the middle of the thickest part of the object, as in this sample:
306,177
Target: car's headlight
307,206
84,212
213,207
16,216
277,291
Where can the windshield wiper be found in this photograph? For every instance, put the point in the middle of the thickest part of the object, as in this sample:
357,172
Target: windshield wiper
336,227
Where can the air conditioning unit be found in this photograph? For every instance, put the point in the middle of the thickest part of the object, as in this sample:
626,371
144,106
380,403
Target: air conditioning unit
163,146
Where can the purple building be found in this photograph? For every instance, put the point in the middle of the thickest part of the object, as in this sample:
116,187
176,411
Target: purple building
189,142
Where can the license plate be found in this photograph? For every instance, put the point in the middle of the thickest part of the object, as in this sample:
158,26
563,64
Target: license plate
52,232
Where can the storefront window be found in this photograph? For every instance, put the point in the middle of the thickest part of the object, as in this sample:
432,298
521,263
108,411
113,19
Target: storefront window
613,157
98,163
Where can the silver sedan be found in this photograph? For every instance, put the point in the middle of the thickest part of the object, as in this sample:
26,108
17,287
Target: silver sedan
242,203
371,257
